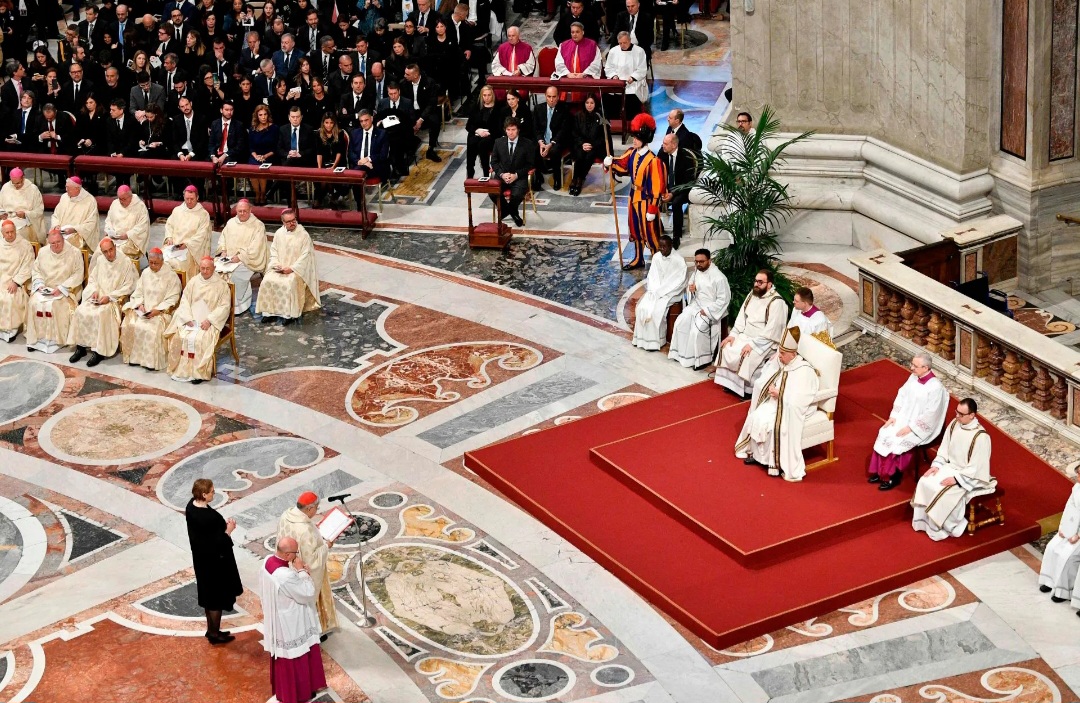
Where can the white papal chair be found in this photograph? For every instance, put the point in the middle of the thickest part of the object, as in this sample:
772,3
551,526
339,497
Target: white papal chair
819,428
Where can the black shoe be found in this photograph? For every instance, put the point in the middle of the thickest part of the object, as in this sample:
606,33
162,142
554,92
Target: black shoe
631,267
80,352
517,219
433,156
1058,600
557,185
323,638
1045,589
196,382
676,242
288,321
892,483
750,461
220,638
874,479
221,633
94,359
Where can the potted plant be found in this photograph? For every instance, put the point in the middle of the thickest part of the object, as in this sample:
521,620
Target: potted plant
752,204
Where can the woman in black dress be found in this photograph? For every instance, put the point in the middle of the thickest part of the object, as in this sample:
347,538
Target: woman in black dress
399,58
316,103
443,61
90,133
588,143
519,113
483,128
331,151
217,579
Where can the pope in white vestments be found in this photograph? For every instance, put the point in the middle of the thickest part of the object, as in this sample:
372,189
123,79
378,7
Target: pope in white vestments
809,318
753,338
16,263
664,286
96,326
22,199
55,282
783,399
290,286
298,522
188,227
917,416
147,314
960,471
243,242
697,329
128,223
1061,560
193,332
627,62
76,216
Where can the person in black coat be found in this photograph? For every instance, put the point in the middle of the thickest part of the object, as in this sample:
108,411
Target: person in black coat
687,139
589,142
25,124
425,94
217,580
403,141
577,13
642,33
511,161
514,107
681,167
561,134
482,129
303,152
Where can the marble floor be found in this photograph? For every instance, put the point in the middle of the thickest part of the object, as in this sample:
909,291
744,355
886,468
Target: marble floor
423,351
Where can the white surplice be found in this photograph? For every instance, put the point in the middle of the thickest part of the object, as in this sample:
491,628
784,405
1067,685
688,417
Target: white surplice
290,623
132,221
920,406
664,286
964,455
192,228
48,317
16,263
697,329
1061,560
810,322
627,65
760,324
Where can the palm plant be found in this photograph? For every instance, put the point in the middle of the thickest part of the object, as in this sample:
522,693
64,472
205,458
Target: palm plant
752,204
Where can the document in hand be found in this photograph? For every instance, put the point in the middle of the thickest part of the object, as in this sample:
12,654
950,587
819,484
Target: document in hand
171,252
389,121
334,523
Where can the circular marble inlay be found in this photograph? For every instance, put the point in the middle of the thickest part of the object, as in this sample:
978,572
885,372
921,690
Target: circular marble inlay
372,527
27,386
23,544
617,400
612,675
119,429
533,680
390,499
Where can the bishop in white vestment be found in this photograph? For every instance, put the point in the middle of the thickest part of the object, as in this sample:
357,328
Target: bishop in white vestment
128,223
754,336
298,522
147,314
697,329
193,332
783,398
96,326
76,216
808,318
243,242
22,199
960,471
917,416
188,227
290,286
664,286
16,263
1061,560
55,282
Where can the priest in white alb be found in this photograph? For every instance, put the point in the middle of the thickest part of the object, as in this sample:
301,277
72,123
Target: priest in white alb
754,336
16,263
627,62
298,522
128,223
961,470
808,317
21,198
76,216
147,314
697,329
771,436
290,286
664,287
243,243
187,234
55,282
1061,560
917,416
96,327
290,625
193,332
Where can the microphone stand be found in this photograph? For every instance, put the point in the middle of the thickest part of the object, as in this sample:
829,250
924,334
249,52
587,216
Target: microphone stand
366,620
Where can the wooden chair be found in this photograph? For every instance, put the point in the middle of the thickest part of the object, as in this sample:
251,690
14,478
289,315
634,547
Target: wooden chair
380,186
182,275
228,332
988,504
819,428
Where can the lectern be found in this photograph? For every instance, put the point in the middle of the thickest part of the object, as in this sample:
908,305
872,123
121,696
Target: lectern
487,235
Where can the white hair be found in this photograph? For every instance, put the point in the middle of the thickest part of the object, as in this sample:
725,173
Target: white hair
925,358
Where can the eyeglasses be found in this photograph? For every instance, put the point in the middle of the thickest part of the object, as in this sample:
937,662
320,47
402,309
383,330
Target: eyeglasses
295,551
962,414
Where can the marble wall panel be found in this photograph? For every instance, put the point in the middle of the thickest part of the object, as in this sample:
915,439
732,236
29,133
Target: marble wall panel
971,266
999,260
1075,417
1063,79
1014,69
868,297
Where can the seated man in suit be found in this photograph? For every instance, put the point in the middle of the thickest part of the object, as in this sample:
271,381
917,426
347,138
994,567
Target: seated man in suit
353,102
638,25
425,94
22,129
227,137
553,124
308,36
296,143
369,151
511,160
143,94
287,58
403,141
57,136
423,17
578,13
687,139
681,168
121,136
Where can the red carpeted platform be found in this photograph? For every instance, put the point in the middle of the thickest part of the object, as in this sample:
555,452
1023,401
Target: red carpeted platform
730,592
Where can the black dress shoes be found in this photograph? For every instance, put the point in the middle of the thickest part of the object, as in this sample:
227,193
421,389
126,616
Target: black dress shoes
220,638
517,219
749,461
892,483
874,479
80,352
94,359
1045,589
432,155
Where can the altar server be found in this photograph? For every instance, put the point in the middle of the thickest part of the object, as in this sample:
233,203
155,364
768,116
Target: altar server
960,470
664,286
1061,559
697,329
243,242
291,284
55,282
21,198
195,327
96,327
16,262
188,228
808,317
917,416
771,436
299,523
76,216
754,336
147,314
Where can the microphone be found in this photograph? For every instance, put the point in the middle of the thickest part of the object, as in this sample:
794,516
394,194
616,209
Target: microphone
340,498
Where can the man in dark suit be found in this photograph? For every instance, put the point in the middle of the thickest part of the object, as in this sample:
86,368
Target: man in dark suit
123,33
145,34
262,83
177,25
165,44
425,94
325,62
189,133
511,160
577,13
252,55
377,83
681,169
403,141
25,124
181,91
424,18
553,124
339,82
73,95
287,58
91,31
369,147
57,135
165,74
352,103
144,94
308,36
121,133
114,87
638,25
296,143
363,58
687,139
227,137
9,96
